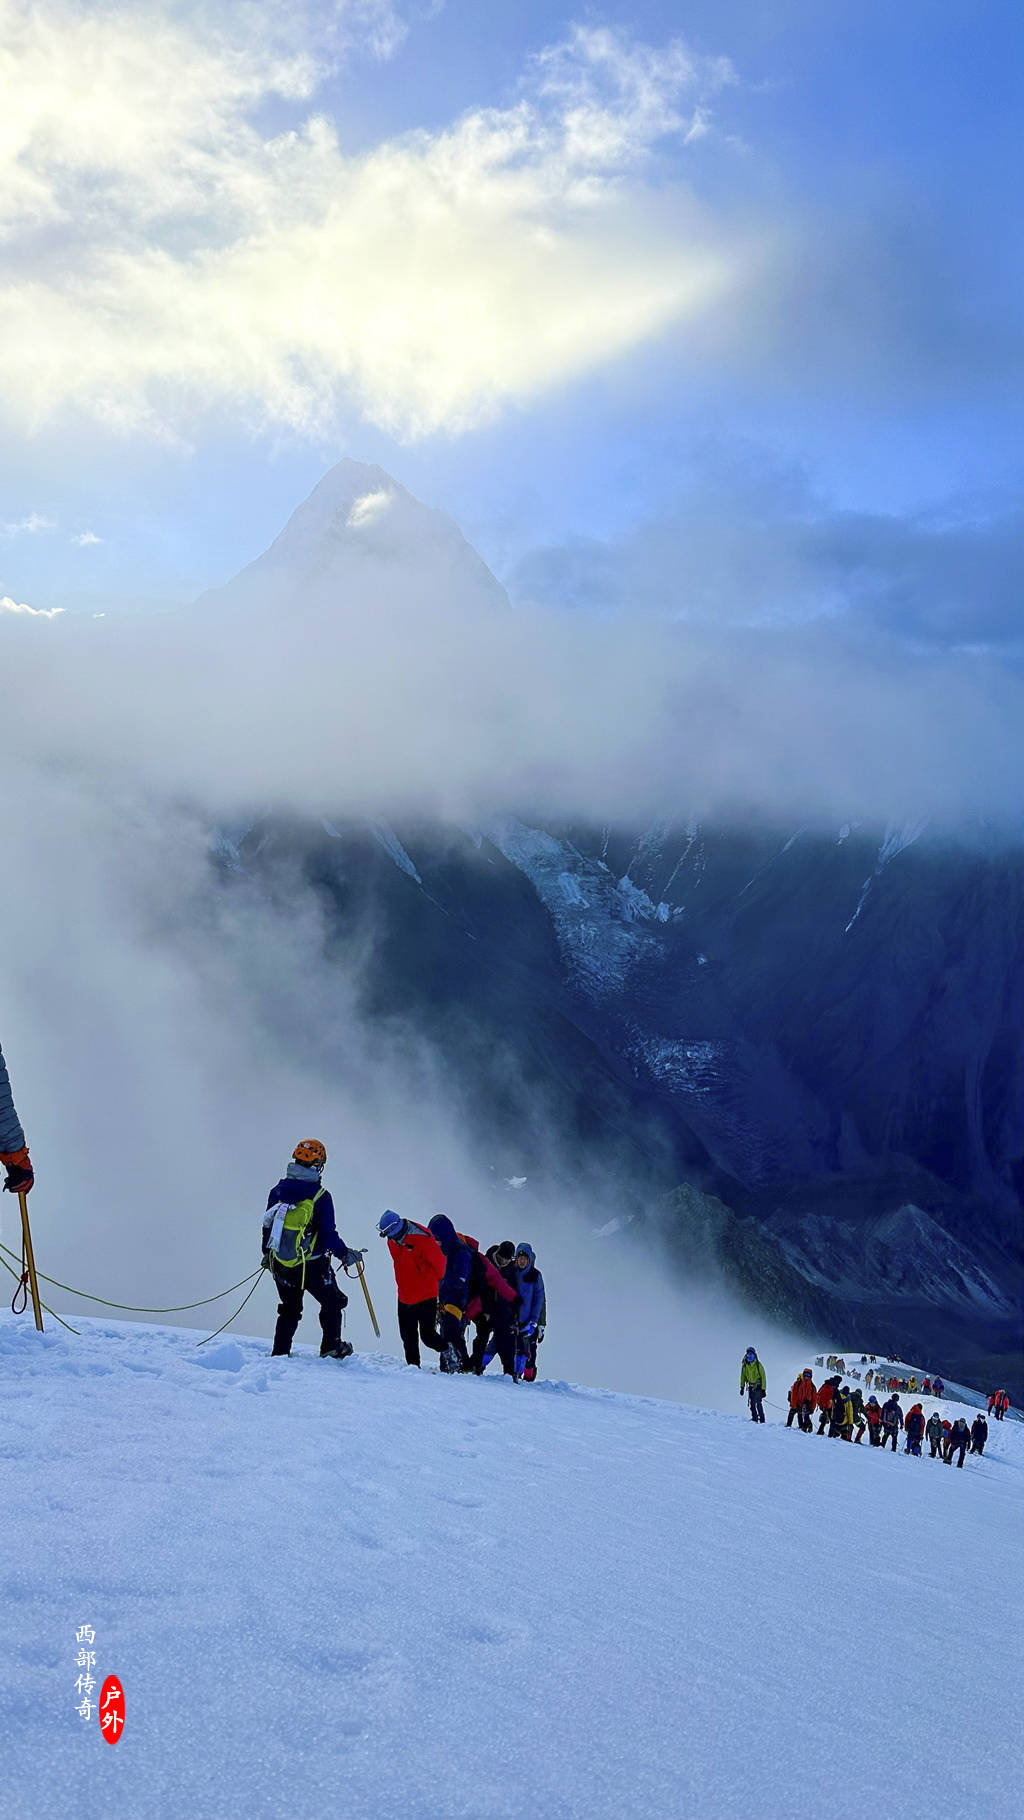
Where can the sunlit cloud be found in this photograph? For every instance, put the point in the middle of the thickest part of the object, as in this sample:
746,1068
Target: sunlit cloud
85,539
7,605
168,252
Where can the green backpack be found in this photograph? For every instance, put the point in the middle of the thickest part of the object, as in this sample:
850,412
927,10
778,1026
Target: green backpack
292,1234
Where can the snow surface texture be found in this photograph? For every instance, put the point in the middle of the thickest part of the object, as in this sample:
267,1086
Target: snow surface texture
368,1591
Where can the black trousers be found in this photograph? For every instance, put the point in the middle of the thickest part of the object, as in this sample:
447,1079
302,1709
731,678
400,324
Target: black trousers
495,1333
936,1447
803,1417
318,1281
890,1434
452,1329
977,1446
755,1396
961,1449
999,1413
418,1321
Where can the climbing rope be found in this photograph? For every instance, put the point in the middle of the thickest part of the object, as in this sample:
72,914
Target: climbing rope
238,1310
131,1307
21,1281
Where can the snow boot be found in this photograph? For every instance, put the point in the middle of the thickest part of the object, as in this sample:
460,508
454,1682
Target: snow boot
342,1351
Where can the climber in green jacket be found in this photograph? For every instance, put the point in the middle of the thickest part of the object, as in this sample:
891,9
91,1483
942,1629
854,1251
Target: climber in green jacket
753,1383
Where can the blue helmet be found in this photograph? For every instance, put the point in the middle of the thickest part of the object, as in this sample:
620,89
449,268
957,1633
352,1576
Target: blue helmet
392,1226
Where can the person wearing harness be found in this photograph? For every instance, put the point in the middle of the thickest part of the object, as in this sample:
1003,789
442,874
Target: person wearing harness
753,1383
935,1434
979,1433
13,1150
299,1240
419,1267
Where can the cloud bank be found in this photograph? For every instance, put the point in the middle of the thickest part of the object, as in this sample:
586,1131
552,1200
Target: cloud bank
370,666
169,252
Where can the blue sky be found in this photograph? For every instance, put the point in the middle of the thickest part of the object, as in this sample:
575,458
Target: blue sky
591,279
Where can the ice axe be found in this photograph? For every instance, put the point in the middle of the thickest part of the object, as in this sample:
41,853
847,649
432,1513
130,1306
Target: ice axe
28,1258
360,1272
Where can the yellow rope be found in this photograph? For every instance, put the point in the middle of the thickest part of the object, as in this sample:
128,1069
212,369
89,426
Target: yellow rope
130,1307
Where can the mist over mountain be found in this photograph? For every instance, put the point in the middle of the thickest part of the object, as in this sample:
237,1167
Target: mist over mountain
793,1052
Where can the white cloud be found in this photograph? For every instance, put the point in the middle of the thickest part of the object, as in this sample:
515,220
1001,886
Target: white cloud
7,605
369,508
29,526
167,251
85,539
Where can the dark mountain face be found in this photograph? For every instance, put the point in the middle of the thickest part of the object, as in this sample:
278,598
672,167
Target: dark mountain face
798,1057
820,1037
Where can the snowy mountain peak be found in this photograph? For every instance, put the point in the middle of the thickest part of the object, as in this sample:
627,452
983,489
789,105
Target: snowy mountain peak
359,533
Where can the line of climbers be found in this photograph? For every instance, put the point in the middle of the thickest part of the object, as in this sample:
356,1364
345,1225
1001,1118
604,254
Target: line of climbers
998,1402
929,1387
841,1410
443,1280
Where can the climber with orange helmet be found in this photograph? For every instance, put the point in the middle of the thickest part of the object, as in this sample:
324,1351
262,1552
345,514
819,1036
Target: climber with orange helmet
13,1153
299,1240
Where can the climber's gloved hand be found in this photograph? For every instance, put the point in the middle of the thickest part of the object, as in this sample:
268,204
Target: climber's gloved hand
19,1179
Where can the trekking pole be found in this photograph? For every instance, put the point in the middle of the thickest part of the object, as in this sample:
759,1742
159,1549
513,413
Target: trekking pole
362,1278
29,1259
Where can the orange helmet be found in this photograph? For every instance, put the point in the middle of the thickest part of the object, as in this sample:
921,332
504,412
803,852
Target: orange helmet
311,1152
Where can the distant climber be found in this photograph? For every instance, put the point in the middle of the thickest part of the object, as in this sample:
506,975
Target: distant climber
419,1266
947,1430
753,1384
859,1417
299,1239
892,1421
959,1440
824,1403
935,1433
802,1397
841,1424
13,1151
913,1428
533,1311
873,1415
938,1387
979,1433
999,1403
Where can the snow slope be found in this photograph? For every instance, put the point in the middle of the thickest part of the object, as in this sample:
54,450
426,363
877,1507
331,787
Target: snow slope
380,1594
